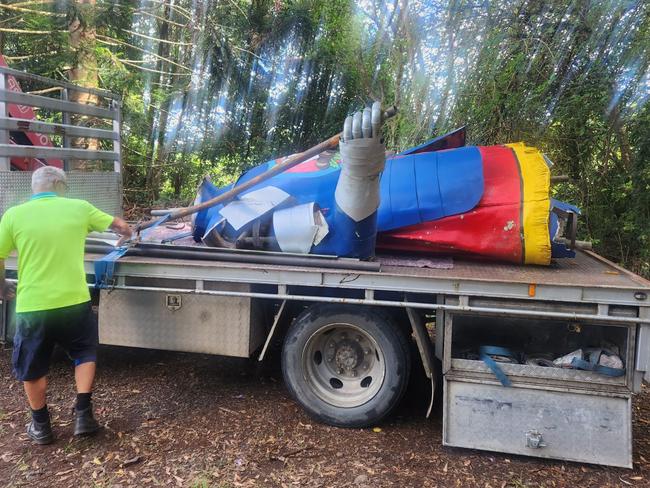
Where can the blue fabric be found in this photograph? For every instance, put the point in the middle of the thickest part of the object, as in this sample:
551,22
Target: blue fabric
450,140
303,187
399,184
559,250
207,191
429,186
349,238
484,354
460,179
592,364
413,189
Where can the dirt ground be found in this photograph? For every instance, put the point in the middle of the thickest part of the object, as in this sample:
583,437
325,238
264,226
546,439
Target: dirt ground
193,420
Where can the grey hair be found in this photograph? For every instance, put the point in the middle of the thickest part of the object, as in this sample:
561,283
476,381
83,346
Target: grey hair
46,178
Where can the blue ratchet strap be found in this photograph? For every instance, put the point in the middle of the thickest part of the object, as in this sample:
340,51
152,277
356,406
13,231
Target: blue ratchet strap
592,364
105,267
484,354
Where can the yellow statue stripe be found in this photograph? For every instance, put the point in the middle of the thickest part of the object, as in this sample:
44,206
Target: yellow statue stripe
535,201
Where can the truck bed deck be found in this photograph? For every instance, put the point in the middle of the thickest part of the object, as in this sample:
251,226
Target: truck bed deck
587,278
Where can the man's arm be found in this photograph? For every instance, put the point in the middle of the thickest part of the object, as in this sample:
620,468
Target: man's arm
120,227
7,290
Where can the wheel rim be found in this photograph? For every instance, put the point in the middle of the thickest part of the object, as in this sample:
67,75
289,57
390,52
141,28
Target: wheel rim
343,365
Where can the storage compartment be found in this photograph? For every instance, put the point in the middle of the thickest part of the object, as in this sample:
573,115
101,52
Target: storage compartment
230,326
534,344
541,423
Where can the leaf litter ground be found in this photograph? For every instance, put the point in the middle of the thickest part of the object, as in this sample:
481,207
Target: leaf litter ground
178,419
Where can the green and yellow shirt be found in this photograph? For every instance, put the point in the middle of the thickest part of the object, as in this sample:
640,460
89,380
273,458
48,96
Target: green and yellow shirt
49,233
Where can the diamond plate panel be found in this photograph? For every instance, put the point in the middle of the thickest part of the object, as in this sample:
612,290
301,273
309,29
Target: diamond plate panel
180,322
102,189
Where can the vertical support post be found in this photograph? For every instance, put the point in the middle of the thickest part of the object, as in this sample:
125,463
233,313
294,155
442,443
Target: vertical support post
117,122
67,120
5,164
3,321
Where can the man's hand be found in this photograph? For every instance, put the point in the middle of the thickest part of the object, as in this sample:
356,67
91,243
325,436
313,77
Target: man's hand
120,227
8,291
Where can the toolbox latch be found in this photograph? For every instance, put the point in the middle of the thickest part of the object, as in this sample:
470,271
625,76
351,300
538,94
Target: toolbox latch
534,439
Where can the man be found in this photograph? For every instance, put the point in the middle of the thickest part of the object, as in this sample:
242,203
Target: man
53,301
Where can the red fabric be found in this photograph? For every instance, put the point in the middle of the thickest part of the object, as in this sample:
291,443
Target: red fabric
35,138
309,166
491,230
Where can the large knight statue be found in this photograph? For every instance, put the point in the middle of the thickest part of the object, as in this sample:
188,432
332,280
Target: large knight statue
441,197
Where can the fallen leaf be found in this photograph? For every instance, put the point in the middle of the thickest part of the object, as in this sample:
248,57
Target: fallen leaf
131,461
61,473
376,429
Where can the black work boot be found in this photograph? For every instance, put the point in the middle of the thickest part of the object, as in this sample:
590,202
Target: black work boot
40,432
84,422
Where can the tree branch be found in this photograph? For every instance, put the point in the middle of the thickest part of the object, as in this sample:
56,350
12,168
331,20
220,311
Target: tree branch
116,42
165,41
184,12
240,9
24,31
170,22
33,2
28,10
152,70
28,56
46,90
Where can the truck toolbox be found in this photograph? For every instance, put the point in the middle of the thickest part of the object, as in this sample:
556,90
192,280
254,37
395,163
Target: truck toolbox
544,423
230,326
543,411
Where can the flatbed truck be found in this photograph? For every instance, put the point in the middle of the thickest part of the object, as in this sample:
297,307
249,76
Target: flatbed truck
347,327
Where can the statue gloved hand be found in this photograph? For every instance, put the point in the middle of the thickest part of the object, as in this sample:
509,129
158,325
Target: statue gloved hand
363,157
364,124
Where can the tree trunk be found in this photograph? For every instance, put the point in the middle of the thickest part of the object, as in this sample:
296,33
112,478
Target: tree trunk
83,72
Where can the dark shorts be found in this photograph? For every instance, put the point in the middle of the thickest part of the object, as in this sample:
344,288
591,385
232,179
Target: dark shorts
74,328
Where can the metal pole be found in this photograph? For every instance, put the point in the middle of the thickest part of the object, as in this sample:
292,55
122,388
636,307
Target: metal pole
5,163
228,257
67,121
502,312
117,166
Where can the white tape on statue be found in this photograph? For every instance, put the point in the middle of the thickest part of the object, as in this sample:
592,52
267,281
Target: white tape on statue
298,228
253,205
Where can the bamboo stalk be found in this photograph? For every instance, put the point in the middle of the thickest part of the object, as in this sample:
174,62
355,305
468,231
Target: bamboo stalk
289,163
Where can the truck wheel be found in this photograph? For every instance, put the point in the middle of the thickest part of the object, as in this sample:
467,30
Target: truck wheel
348,366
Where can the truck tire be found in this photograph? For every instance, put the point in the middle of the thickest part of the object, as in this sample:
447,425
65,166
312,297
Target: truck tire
348,366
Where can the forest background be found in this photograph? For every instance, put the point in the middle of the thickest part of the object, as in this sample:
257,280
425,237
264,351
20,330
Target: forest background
217,86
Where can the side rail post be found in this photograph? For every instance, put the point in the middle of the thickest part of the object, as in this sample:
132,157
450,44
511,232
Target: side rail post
5,164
